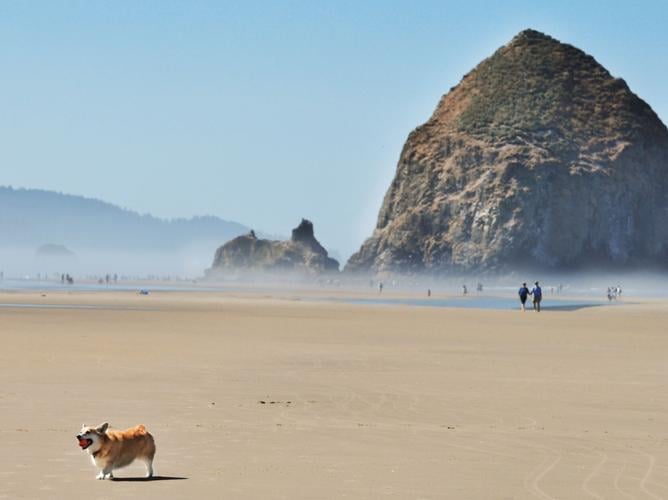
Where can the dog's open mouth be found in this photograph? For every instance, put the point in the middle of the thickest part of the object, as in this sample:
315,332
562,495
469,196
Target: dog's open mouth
85,443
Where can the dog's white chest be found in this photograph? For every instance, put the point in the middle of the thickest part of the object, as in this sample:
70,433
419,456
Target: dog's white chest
97,462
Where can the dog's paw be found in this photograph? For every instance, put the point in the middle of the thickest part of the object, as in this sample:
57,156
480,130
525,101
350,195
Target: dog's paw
100,476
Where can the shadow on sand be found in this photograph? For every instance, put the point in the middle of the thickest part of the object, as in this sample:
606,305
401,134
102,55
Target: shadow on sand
484,302
570,307
147,479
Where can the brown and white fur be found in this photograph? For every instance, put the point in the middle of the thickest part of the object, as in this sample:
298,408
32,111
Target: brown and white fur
111,449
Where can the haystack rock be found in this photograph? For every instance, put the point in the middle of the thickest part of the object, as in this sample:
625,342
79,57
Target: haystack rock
538,158
302,253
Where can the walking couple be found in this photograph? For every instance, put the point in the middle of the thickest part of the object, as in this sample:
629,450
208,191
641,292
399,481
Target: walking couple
536,293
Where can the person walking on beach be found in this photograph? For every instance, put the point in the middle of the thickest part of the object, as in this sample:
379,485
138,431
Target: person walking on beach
523,293
537,294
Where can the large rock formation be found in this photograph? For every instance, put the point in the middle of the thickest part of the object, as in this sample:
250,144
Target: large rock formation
539,157
248,253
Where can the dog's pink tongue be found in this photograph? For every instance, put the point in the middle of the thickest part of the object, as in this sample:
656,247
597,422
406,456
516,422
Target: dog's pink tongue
83,442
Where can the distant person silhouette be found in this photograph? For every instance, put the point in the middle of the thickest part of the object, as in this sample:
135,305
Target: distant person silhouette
523,293
537,296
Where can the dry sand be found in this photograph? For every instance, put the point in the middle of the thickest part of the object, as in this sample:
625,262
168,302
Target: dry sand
255,396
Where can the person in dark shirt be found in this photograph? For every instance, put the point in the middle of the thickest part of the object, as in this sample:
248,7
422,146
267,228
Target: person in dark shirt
523,293
537,296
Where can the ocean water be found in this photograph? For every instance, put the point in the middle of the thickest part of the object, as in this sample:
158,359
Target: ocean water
499,298
14,285
487,302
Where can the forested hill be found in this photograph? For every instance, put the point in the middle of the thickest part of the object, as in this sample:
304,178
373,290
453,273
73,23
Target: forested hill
32,217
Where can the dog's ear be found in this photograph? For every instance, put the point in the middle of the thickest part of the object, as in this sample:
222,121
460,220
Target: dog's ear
102,427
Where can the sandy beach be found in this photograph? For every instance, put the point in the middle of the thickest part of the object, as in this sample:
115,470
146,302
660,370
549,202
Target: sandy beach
262,395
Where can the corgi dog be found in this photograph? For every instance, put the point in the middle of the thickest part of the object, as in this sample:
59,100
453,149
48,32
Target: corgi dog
111,449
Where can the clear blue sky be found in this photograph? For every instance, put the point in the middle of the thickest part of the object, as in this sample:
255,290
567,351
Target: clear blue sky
265,112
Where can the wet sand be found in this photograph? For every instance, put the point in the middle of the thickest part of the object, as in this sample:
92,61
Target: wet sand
267,396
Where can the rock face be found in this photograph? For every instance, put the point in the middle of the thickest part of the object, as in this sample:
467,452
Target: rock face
302,253
538,158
